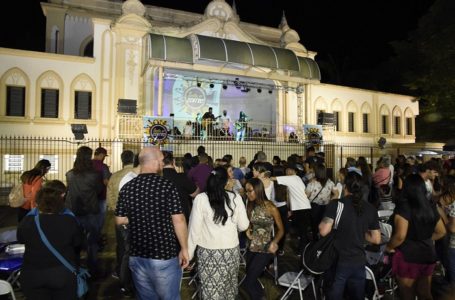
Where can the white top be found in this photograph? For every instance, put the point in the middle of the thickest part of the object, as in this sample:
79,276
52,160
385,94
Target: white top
127,178
205,233
296,189
318,194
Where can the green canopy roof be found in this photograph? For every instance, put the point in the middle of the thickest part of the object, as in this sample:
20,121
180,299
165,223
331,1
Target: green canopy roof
228,51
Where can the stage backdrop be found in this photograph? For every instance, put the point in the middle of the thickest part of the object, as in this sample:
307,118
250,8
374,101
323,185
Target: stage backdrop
185,99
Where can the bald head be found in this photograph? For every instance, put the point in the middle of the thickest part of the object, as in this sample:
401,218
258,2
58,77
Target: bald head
151,160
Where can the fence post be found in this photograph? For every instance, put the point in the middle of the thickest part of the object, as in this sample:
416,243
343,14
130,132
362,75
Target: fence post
371,155
341,156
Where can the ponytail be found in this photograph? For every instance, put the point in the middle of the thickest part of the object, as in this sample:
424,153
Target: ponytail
354,187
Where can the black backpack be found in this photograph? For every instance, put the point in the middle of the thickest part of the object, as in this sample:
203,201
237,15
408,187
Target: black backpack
320,255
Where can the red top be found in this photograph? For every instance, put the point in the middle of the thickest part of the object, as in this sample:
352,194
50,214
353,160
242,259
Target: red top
30,190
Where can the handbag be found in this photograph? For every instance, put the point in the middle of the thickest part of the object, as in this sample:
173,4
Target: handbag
319,256
81,274
16,196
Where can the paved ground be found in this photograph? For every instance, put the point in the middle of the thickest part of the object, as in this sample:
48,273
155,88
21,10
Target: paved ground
109,288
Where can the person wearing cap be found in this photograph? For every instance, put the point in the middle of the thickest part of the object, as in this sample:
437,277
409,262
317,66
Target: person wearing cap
99,165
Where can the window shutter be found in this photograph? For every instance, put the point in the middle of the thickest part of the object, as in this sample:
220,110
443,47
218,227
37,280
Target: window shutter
49,103
83,103
15,101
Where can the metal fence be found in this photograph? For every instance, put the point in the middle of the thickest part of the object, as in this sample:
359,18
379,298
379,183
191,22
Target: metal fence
21,153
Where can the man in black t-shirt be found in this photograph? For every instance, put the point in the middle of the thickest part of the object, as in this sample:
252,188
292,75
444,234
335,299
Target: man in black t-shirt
186,188
151,207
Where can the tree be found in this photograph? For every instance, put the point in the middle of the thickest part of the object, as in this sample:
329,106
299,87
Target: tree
426,64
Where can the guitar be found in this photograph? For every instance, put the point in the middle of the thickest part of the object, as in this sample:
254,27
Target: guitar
206,122
239,125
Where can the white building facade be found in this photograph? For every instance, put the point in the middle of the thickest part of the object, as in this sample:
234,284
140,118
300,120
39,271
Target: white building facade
98,52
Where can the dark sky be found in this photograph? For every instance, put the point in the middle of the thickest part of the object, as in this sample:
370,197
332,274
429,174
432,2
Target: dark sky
358,31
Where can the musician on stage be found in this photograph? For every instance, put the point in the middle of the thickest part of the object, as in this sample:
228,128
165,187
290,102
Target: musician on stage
207,123
241,126
225,123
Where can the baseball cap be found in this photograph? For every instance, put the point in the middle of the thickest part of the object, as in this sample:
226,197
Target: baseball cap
100,150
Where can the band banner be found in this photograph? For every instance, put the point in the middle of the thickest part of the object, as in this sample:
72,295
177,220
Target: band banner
313,134
157,130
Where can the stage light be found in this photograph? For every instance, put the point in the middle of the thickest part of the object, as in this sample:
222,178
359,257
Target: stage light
198,84
259,90
270,91
211,85
237,83
224,87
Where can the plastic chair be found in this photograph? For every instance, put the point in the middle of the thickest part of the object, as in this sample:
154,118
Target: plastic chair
370,276
6,288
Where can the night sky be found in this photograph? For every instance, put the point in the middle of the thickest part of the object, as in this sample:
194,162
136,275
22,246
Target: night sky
355,34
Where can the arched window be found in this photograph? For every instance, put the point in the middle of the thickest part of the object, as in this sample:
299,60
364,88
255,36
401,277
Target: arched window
366,118
352,116
82,98
385,116
397,120
14,91
49,90
409,115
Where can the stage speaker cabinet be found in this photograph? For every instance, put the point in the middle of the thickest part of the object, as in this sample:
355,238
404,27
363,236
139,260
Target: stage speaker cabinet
127,106
325,118
79,130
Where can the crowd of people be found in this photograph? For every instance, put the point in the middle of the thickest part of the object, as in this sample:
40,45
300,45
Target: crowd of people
197,212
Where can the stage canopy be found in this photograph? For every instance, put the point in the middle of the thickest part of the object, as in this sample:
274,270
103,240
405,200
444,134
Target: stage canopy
209,49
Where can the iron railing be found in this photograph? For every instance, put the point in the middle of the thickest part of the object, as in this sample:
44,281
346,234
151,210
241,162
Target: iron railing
21,153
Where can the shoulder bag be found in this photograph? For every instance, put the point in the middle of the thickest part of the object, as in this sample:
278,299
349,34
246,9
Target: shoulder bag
319,256
81,274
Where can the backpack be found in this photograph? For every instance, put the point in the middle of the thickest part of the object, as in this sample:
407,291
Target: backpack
321,255
16,196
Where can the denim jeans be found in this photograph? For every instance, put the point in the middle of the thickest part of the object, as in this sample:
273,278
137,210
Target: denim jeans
90,225
451,266
350,276
155,278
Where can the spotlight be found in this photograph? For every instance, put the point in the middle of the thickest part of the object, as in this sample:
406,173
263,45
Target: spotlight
259,90
224,86
198,84
211,85
270,91
237,83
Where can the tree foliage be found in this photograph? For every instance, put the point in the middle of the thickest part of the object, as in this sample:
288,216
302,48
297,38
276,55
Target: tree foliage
426,64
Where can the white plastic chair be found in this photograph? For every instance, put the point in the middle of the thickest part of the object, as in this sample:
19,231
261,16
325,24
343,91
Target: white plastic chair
6,288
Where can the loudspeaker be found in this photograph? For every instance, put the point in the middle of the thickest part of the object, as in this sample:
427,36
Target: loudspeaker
78,130
127,106
325,118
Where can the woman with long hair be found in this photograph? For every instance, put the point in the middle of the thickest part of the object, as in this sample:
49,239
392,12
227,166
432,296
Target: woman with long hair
84,186
263,217
358,223
319,192
42,275
260,171
32,180
216,219
416,226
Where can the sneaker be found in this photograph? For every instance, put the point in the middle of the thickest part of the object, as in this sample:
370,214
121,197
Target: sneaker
126,293
115,275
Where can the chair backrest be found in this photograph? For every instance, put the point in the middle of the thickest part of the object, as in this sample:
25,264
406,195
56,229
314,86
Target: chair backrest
6,288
